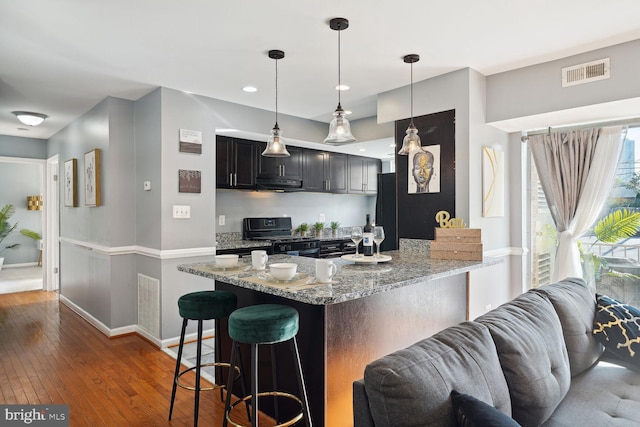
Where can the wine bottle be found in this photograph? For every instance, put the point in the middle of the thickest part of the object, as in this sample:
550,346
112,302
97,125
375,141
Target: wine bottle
367,238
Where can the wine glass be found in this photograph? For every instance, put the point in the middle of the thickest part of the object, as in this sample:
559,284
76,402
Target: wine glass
378,237
356,237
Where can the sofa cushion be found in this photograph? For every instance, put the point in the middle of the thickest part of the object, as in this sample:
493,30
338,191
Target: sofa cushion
617,326
472,412
411,387
528,337
605,395
575,305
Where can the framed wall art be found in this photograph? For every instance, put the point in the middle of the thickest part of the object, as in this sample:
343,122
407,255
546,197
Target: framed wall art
71,183
92,178
190,141
189,181
492,182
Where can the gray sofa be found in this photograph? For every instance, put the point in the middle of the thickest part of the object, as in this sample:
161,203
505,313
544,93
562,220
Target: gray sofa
533,358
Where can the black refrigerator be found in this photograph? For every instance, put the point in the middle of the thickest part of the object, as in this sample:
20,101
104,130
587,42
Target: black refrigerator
386,210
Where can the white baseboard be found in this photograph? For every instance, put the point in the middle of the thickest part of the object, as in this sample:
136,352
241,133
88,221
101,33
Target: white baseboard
124,330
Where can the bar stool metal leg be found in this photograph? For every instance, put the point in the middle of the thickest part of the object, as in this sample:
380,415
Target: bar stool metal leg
175,375
303,389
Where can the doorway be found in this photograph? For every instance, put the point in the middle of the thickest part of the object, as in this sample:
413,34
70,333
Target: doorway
22,269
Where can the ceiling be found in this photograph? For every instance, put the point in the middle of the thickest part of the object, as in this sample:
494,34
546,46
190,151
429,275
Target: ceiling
62,57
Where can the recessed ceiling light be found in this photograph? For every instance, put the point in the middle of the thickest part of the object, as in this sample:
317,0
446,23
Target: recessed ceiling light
226,130
250,89
347,112
362,149
392,145
342,87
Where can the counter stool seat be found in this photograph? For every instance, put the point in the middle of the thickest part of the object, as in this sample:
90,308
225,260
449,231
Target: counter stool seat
259,325
200,306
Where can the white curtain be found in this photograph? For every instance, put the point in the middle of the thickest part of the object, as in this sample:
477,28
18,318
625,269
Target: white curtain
576,170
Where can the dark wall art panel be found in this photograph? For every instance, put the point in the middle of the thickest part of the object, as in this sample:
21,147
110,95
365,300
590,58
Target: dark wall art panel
418,202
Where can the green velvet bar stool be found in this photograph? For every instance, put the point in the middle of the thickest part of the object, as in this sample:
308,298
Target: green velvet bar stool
260,325
201,306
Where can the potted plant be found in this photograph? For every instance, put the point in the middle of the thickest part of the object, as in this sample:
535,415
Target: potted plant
302,229
334,227
6,229
318,227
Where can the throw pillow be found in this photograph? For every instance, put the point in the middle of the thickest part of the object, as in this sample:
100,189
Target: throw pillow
471,412
617,327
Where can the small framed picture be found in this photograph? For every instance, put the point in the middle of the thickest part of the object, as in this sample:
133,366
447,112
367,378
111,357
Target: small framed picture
71,183
189,181
92,178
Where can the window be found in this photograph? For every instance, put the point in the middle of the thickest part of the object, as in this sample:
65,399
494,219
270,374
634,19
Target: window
611,268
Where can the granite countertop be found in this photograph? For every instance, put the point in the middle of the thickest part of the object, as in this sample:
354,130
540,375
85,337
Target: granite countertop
352,281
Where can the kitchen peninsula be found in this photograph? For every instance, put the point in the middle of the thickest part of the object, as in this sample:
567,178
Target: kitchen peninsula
368,310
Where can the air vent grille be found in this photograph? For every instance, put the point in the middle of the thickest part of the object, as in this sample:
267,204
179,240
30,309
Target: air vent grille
586,73
149,304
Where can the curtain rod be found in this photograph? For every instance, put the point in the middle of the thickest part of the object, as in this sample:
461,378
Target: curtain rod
624,122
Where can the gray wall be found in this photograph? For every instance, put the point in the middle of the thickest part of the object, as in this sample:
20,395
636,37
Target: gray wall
21,178
537,91
31,148
101,284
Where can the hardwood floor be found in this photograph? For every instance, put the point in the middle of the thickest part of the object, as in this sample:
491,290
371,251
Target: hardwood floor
49,355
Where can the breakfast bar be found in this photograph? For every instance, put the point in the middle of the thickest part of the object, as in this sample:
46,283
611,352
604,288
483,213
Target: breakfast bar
368,310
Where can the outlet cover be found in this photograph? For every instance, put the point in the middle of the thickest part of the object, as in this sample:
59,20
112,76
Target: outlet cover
321,218
221,219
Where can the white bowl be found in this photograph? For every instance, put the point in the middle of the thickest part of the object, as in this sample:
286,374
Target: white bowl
283,271
226,261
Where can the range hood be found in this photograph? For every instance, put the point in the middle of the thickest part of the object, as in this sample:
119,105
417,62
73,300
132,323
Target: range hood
281,185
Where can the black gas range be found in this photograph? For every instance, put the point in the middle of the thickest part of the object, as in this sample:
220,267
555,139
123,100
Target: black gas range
278,230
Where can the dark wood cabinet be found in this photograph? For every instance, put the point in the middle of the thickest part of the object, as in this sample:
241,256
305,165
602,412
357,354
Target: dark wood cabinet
324,172
336,248
280,167
363,175
235,163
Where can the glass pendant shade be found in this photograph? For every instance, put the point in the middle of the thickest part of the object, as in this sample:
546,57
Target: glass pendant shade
411,141
339,129
275,144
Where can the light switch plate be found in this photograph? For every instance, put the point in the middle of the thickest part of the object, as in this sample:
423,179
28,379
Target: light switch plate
147,186
181,211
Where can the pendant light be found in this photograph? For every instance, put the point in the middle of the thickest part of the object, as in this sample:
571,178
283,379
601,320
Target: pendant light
411,140
275,143
339,128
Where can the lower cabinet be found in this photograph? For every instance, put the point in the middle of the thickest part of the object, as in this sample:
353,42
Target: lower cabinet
336,248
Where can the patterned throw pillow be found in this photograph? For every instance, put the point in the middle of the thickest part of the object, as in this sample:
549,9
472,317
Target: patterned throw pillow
617,327
471,412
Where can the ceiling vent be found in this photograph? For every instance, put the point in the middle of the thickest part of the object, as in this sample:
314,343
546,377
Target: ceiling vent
586,73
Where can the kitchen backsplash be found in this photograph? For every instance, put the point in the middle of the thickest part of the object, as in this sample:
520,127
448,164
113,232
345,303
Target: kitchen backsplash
347,209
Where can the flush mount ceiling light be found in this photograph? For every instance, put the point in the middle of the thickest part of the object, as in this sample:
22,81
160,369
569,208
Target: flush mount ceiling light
29,118
411,140
275,143
339,128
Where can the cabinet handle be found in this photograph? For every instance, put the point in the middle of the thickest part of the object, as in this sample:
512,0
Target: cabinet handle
282,171
235,179
329,185
231,179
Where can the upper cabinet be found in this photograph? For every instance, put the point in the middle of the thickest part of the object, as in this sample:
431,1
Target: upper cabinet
239,162
280,167
324,172
363,175
235,163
